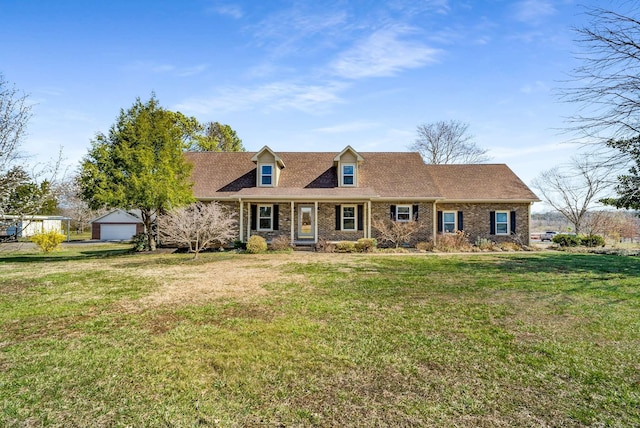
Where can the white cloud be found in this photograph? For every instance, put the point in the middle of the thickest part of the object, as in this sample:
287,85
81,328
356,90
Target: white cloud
534,10
355,126
231,10
537,86
272,96
383,53
159,68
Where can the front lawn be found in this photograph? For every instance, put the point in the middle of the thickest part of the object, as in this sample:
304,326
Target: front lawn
92,336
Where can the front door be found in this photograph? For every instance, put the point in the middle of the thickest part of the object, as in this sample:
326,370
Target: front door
306,219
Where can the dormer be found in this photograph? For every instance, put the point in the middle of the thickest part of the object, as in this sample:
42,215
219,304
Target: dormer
347,163
268,165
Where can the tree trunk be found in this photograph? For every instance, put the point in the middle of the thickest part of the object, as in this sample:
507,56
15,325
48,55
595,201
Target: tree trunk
148,223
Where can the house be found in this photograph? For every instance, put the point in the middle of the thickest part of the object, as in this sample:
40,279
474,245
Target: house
116,225
339,196
24,226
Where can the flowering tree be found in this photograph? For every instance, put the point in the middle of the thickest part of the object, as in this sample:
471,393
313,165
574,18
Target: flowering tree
198,226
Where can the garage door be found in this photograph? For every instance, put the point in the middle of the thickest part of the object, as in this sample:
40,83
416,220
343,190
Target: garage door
117,232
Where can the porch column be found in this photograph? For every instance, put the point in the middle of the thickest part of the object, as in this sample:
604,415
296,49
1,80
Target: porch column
434,222
293,223
368,219
241,224
249,224
315,222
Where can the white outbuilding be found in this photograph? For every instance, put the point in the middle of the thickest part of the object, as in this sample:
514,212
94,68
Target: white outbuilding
116,225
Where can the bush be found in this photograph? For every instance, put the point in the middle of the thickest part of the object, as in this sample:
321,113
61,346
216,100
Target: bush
256,244
48,241
281,243
592,241
565,240
345,247
450,242
239,245
510,246
140,242
366,245
425,246
325,246
484,244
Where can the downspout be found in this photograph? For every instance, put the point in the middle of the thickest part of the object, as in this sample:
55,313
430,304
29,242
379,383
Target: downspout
249,224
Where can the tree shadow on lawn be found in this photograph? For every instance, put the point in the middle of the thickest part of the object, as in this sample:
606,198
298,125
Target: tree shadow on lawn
64,257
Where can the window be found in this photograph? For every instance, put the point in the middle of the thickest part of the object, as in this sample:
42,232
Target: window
403,213
348,175
265,217
349,217
449,222
266,175
502,223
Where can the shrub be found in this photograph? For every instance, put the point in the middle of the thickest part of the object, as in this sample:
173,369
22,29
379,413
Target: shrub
425,246
256,244
281,243
565,240
239,245
510,246
140,242
48,241
484,244
345,247
325,246
592,241
450,242
366,245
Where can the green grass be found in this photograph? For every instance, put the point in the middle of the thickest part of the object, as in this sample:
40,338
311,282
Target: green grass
541,339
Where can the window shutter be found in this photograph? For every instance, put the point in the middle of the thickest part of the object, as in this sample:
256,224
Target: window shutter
415,212
254,217
338,225
460,221
276,216
392,213
513,222
360,215
440,226
492,223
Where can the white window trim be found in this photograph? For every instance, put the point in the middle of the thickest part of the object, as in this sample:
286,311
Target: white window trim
272,175
508,223
258,223
355,175
455,221
398,213
355,218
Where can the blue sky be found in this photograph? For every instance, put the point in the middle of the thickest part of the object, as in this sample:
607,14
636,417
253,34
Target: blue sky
300,75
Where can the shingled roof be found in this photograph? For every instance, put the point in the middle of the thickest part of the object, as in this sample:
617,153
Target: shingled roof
480,182
382,175
311,174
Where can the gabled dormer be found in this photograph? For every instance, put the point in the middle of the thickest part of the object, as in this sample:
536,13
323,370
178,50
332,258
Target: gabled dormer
347,163
268,165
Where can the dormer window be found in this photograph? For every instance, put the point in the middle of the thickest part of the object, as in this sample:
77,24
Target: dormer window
346,164
268,167
348,174
266,175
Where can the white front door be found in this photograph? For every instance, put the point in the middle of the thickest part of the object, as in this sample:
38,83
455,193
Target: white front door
306,222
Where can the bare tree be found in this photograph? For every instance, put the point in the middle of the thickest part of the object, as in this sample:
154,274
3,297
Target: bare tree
73,206
395,232
574,188
606,84
448,143
198,226
15,113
